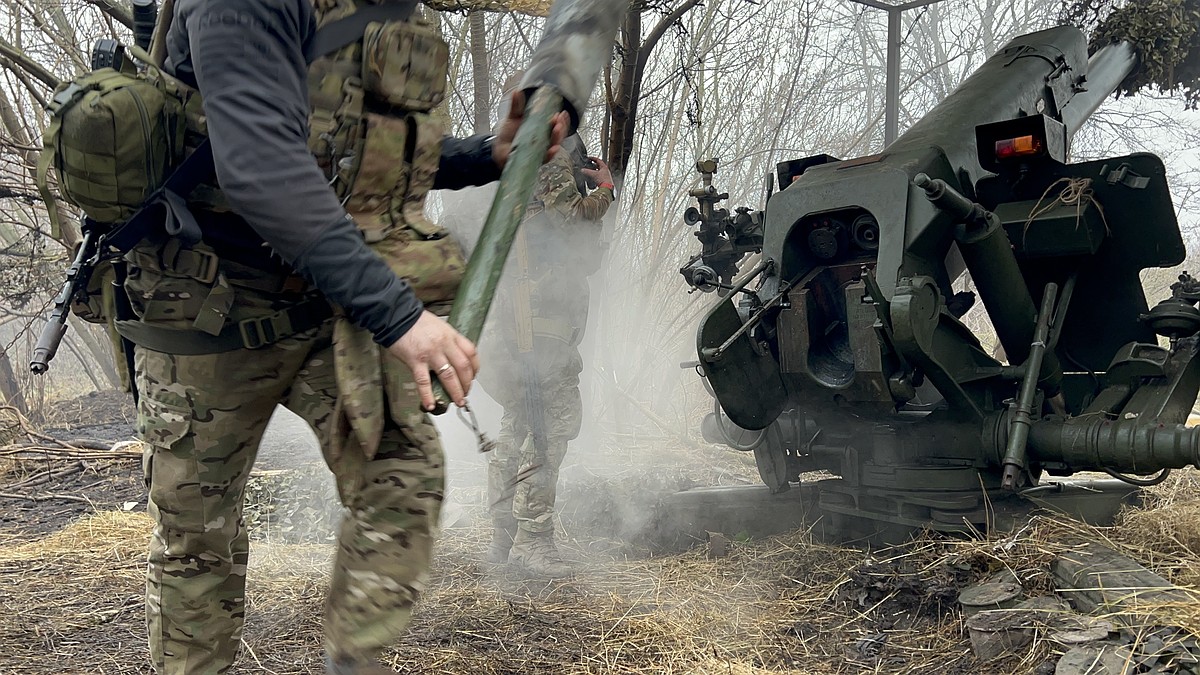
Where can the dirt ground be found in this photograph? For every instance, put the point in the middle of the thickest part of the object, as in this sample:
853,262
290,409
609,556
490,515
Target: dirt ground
73,534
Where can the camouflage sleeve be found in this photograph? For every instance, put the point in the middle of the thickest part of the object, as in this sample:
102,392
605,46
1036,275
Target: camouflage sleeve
558,193
595,205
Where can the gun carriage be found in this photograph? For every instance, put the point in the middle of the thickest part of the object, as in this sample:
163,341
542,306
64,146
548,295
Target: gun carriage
845,350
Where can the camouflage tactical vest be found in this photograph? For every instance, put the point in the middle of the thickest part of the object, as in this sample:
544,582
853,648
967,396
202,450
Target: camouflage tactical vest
371,127
375,135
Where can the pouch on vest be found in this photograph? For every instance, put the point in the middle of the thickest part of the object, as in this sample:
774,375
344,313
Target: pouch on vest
113,138
404,64
388,205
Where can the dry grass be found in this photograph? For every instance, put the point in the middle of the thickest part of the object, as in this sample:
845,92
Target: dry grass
71,601
780,605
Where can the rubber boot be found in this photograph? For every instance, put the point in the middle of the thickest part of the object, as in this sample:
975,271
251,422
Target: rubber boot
503,531
536,554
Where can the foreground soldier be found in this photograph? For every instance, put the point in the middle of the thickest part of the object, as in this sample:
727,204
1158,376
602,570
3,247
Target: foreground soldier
545,293
283,302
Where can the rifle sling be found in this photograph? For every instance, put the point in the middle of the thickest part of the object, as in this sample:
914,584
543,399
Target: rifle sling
167,206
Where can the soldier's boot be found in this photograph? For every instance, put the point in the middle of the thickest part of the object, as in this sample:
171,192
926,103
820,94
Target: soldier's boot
503,531
536,554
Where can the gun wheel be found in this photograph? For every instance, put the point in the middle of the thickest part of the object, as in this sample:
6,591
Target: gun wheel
734,436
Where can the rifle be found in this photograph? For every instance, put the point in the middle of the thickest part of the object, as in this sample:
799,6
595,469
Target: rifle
93,249
87,256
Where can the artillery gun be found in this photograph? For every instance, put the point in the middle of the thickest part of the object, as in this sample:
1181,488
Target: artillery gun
844,349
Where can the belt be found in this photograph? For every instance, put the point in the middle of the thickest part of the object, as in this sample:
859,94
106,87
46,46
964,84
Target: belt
253,333
204,266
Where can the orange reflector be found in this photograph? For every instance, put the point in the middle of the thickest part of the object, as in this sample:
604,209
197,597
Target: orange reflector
1018,147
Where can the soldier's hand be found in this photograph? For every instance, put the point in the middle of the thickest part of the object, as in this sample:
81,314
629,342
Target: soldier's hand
600,174
502,145
432,344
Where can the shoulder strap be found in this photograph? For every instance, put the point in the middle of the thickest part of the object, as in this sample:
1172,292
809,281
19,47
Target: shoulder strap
337,34
167,205
41,175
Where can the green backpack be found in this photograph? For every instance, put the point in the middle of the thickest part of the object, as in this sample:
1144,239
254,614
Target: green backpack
114,137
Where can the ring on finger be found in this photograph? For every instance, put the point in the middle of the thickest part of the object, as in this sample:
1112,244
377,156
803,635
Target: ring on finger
445,368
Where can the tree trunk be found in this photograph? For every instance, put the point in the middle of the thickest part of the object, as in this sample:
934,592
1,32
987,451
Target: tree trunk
10,389
623,105
480,73
620,106
101,350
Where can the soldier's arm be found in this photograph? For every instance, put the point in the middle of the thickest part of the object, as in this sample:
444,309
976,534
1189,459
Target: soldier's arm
595,205
560,194
248,60
465,162
475,161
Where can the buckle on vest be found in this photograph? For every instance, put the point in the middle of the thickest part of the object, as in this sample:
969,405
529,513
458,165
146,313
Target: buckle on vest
195,263
265,330
206,266
65,96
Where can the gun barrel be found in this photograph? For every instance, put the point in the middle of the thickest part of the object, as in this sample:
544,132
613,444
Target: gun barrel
47,346
1107,68
145,15
1122,445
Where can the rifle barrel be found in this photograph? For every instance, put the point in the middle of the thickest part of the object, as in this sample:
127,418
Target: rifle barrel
78,275
145,15
47,345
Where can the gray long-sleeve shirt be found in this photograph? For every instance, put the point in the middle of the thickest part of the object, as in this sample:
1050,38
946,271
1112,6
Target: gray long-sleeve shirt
247,58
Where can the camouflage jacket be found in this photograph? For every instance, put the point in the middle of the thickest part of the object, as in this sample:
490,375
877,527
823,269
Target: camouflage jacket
564,237
565,228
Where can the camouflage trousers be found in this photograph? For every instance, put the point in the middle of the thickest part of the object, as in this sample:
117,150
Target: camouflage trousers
531,501
202,417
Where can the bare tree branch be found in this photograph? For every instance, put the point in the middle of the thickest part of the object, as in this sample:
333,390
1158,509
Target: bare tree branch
7,192
116,10
659,29
530,7
20,74
30,66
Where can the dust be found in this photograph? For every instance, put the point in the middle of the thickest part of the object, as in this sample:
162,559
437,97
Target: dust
637,441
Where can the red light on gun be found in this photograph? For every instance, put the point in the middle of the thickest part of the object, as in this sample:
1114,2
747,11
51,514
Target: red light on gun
1018,147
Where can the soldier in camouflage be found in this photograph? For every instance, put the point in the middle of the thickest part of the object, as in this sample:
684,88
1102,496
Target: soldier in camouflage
563,245
317,285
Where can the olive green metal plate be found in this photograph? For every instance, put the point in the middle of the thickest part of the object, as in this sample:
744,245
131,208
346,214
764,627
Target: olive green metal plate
747,384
